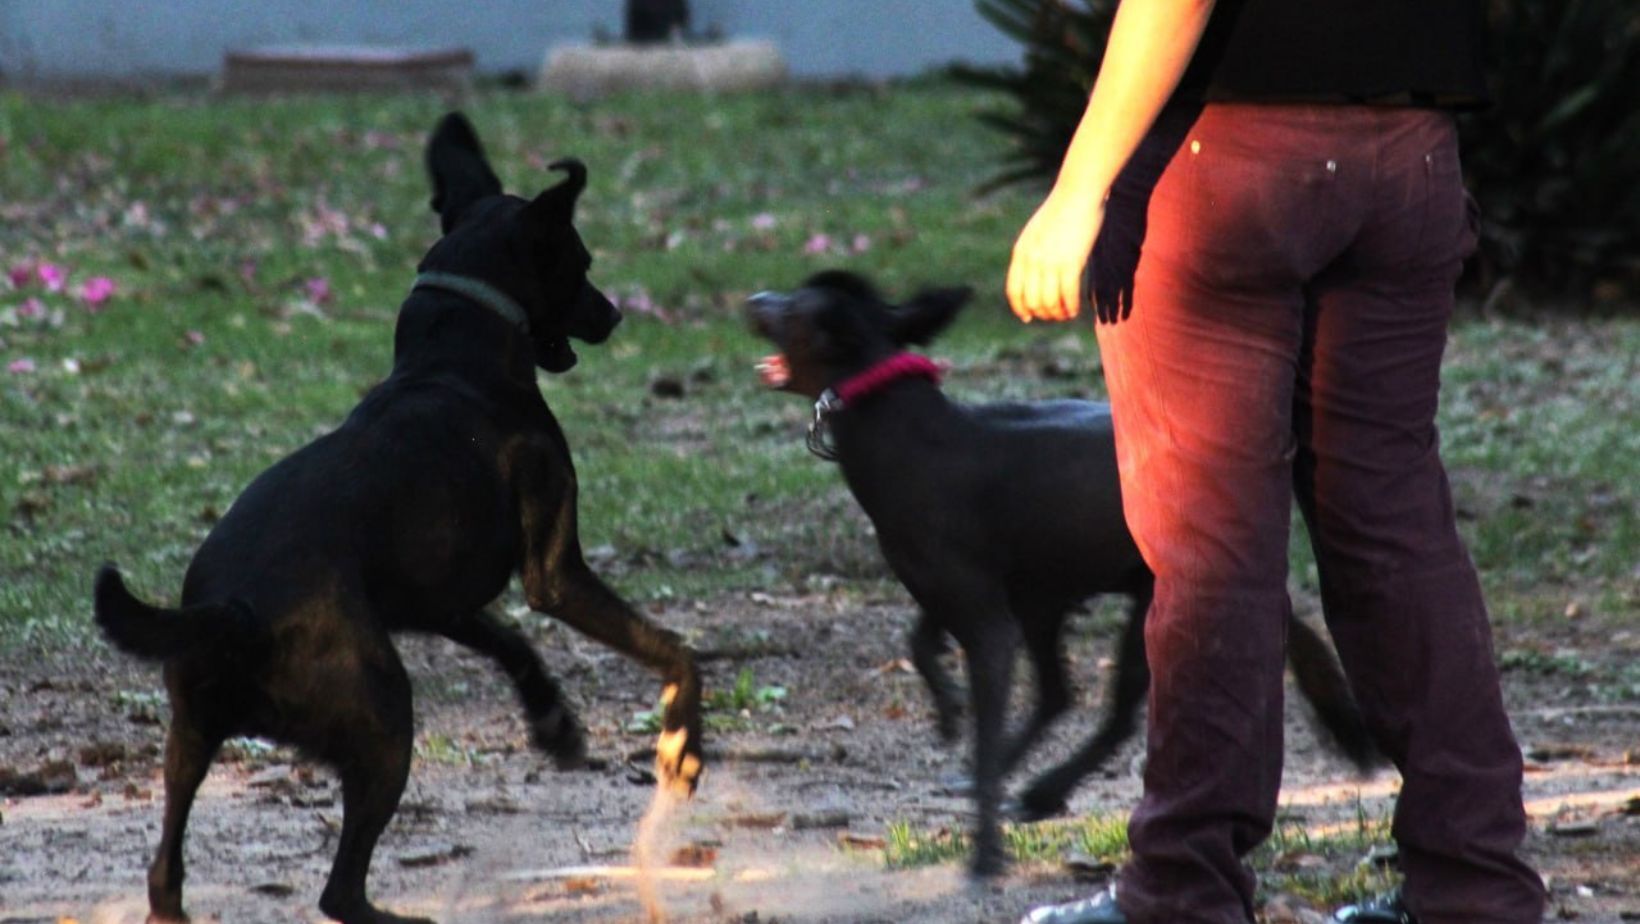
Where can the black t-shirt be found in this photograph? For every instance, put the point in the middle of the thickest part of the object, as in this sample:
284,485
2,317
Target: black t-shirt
1406,52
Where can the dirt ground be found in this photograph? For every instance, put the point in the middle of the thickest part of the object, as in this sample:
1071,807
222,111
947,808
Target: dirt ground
847,750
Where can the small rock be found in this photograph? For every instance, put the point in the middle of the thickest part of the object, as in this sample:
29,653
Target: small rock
274,889
695,856
809,821
54,777
861,841
1382,856
1285,909
277,775
666,386
765,820
499,805
434,855
102,754
1088,867
1583,828
1545,753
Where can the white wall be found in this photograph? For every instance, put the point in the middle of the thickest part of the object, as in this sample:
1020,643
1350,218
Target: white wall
97,40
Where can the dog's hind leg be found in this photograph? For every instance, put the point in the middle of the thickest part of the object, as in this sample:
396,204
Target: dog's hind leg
1042,625
1049,794
553,726
371,751
927,640
188,755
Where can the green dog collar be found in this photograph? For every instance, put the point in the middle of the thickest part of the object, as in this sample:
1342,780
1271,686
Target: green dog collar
482,292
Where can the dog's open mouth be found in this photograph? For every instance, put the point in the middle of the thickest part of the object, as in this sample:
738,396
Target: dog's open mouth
774,371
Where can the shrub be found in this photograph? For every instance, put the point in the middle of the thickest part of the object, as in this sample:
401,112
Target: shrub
1064,45
1552,163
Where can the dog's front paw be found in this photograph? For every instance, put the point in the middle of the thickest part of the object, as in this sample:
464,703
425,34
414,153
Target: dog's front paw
678,761
558,733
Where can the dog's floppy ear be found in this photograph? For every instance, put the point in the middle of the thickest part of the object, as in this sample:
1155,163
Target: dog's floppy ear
931,311
461,174
557,203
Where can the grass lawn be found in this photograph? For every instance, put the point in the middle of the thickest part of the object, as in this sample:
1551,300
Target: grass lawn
259,251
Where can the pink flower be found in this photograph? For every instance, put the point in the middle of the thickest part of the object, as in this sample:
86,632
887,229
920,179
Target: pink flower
20,275
194,337
51,276
20,366
819,243
95,291
763,221
861,244
317,289
31,308
640,302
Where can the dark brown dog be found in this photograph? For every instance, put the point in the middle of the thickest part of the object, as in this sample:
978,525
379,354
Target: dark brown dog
448,478
999,519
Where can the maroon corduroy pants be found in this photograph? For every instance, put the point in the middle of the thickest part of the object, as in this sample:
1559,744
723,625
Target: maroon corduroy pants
1283,279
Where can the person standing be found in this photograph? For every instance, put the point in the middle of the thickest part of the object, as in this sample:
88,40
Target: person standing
1272,196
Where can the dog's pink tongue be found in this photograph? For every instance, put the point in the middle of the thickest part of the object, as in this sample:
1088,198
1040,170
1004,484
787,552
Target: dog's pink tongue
773,371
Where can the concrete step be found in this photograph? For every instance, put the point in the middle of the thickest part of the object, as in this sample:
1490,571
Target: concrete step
593,70
346,68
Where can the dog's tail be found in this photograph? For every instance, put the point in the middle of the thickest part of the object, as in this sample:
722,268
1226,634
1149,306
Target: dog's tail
156,634
1322,682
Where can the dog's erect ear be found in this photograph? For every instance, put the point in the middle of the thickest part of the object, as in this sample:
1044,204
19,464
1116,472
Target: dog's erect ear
931,311
557,203
461,174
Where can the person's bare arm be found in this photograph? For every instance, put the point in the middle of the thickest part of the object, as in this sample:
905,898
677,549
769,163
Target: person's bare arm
1151,42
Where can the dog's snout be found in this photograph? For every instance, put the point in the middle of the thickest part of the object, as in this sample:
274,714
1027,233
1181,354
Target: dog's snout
763,310
765,301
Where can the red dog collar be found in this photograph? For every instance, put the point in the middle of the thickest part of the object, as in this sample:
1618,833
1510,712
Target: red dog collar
857,387
896,367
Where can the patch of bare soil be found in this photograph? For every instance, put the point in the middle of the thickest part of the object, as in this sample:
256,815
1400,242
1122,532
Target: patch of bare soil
787,824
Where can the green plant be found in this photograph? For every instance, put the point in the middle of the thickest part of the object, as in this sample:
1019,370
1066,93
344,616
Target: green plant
1553,162
1064,44
1101,836
745,695
725,709
440,748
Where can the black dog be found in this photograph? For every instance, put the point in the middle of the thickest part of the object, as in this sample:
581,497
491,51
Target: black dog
999,519
448,477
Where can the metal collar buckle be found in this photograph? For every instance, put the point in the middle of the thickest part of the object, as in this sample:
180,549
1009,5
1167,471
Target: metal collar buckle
819,439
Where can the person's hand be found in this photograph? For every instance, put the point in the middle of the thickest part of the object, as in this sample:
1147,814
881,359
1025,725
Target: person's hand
1045,274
